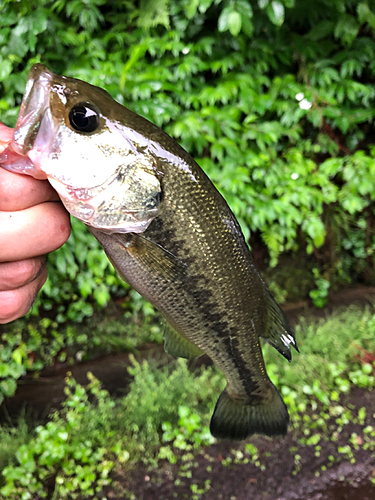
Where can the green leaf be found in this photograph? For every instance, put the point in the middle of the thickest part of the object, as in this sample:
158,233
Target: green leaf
204,5
191,8
153,12
365,15
245,9
263,3
5,69
8,386
276,13
223,21
331,166
18,354
347,29
234,23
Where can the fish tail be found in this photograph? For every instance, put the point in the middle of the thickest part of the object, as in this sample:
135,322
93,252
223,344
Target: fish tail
239,419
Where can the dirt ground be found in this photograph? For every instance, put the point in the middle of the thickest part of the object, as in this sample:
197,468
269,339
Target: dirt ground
278,476
275,478
285,469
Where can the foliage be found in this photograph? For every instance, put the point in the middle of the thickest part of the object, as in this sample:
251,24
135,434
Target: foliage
335,353
95,437
29,345
69,449
189,434
11,438
157,392
319,296
272,97
75,451
12,366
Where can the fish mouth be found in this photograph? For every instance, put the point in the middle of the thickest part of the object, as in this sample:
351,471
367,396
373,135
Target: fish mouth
34,104
34,120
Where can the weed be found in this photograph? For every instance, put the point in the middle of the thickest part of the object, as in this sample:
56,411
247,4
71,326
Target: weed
166,411
327,365
69,449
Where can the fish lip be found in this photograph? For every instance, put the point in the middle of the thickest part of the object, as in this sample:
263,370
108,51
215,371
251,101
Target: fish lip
34,103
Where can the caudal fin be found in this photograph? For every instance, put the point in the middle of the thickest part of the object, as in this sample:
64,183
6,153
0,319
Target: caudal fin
238,420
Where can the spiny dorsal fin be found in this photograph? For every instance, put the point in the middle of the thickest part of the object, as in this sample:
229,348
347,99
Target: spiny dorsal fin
278,332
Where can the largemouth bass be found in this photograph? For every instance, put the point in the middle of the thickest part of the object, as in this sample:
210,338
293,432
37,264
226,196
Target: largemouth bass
167,231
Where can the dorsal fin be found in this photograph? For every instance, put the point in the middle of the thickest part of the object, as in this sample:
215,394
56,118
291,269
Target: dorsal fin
278,332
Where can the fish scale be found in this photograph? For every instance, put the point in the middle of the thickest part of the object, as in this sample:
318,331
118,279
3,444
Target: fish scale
206,250
167,231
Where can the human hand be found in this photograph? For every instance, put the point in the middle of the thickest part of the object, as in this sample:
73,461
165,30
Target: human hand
32,224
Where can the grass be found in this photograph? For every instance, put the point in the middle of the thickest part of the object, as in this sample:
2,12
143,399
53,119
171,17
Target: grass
335,353
166,412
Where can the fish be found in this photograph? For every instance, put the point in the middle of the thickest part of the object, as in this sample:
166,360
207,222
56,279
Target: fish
168,233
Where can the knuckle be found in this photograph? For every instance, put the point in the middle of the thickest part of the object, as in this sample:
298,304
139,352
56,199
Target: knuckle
12,306
25,272
17,274
16,303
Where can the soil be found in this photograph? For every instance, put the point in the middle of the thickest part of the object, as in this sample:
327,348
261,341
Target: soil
275,478
221,471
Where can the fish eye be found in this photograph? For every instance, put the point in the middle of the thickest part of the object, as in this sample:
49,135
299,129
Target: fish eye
83,117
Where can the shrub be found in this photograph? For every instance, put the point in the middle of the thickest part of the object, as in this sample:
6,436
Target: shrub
274,99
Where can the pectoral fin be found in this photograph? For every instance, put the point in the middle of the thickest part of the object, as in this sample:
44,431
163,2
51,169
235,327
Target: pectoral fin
278,332
153,257
177,345
158,261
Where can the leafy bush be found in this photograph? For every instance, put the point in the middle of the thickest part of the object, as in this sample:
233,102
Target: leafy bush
273,98
189,434
69,450
156,394
73,454
11,438
336,352
33,344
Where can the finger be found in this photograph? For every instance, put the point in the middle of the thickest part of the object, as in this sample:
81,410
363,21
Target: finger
15,275
16,303
6,134
32,232
18,192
